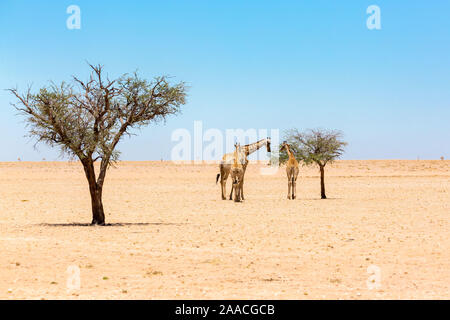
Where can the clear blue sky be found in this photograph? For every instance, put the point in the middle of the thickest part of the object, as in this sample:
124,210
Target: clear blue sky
250,64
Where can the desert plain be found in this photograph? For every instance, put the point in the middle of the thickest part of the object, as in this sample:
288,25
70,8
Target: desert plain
383,233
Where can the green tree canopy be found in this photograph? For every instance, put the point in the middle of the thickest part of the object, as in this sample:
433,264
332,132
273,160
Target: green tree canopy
87,119
318,146
315,146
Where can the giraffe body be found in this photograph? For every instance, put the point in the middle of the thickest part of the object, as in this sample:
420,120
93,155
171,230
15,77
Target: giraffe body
228,160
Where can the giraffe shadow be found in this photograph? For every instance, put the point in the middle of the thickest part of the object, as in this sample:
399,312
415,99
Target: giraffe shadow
116,224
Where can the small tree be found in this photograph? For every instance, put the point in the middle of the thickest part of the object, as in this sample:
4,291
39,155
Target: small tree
315,146
87,119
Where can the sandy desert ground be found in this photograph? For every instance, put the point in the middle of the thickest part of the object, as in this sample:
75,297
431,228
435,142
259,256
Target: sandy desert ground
172,237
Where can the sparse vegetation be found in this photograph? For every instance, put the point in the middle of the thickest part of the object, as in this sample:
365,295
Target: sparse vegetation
315,146
87,119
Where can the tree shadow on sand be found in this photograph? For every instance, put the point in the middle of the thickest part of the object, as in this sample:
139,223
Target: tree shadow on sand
117,224
321,199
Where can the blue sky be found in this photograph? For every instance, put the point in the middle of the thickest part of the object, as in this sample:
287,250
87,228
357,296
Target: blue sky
250,64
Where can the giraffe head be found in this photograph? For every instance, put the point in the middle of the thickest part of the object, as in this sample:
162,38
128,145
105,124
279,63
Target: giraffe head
268,144
287,147
284,146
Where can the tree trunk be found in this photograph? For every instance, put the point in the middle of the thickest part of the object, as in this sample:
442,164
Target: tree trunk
98,215
322,182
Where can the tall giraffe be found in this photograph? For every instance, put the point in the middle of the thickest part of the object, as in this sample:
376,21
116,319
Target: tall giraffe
227,160
291,171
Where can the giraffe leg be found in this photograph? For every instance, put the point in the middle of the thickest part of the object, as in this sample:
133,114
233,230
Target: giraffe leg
224,172
289,188
231,193
242,188
294,187
242,183
223,183
224,186
294,180
237,193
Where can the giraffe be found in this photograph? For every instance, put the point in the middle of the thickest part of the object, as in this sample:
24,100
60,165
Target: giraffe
291,171
227,160
237,171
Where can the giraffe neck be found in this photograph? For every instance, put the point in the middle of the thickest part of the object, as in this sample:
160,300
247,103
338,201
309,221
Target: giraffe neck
239,156
291,155
250,148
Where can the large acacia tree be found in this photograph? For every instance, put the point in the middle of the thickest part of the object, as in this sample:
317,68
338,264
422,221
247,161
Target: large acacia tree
315,146
87,119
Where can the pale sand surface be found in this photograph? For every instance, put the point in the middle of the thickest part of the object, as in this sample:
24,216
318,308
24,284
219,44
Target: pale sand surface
173,237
